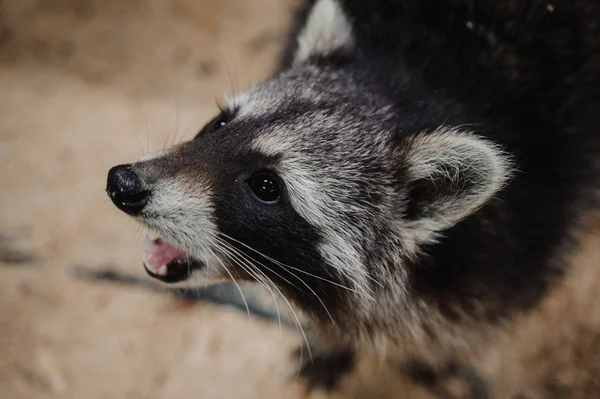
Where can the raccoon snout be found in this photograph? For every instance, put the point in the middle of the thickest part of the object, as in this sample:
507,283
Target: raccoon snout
126,189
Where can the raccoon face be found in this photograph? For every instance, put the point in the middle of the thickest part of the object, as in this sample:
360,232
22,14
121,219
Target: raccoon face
312,183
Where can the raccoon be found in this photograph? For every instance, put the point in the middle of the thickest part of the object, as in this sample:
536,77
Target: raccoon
414,176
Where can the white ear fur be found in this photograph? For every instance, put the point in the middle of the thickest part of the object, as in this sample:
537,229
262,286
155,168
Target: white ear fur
464,171
327,30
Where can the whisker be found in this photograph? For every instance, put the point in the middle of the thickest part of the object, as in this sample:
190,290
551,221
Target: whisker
302,332
258,278
375,281
178,113
126,226
235,282
286,280
189,267
288,266
206,276
173,128
232,86
240,253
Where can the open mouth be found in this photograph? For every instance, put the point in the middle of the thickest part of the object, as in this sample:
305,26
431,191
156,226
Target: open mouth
166,262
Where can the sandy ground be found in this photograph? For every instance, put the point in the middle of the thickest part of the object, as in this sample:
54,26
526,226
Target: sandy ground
85,85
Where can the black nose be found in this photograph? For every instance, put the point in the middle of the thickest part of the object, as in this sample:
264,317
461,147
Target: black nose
126,190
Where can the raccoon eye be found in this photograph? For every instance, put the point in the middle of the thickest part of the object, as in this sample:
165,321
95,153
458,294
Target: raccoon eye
217,123
265,187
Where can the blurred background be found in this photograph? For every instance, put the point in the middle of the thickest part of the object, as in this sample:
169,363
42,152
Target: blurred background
85,85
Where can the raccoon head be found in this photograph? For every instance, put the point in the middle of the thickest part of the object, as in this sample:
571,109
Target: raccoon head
315,182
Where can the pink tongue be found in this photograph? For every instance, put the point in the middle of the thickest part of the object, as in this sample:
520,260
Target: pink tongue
160,253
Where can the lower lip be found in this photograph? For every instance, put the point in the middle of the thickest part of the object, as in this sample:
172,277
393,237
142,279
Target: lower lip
174,271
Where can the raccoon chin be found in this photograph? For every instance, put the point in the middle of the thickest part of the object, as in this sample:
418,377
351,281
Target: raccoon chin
167,263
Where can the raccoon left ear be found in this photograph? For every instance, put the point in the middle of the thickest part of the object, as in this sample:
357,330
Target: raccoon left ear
450,175
327,32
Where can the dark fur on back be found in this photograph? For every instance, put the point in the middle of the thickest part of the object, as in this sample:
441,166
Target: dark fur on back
527,75
524,73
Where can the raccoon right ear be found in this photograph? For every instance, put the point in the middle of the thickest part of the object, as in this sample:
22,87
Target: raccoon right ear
450,174
327,32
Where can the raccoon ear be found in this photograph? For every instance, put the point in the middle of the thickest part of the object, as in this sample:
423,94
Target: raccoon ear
451,175
327,32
